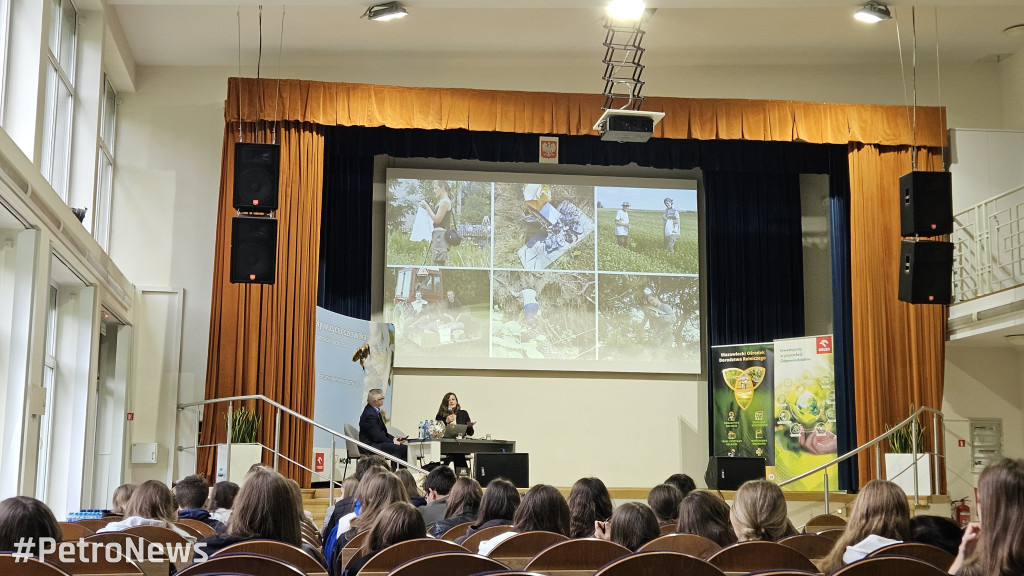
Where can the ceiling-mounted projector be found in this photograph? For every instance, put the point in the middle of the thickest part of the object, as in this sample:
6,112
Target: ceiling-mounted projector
627,125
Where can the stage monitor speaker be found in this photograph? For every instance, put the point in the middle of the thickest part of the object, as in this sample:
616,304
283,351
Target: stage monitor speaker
728,472
926,272
513,467
926,203
256,170
253,249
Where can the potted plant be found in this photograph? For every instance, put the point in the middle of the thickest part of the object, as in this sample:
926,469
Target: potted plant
899,460
245,450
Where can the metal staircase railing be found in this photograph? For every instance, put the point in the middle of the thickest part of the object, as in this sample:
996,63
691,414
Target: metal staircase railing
988,240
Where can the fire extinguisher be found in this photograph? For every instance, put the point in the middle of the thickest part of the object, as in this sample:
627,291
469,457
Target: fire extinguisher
961,512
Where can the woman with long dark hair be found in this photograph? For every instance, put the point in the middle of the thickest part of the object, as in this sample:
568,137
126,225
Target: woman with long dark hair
994,545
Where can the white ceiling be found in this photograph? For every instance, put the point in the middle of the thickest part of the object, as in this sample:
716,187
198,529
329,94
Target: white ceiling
680,32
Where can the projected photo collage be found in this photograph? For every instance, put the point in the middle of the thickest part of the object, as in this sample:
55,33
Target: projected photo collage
516,274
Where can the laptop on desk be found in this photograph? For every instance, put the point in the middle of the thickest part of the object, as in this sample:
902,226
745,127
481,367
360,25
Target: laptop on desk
453,430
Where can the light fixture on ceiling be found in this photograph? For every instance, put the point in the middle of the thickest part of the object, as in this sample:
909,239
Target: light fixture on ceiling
626,10
873,12
388,11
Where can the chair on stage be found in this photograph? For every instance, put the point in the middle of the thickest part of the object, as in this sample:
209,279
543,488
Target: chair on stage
933,555
889,566
73,531
576,557
283,551
518,550
449,564
456,531
242,564
473,542
351,448
395,555
754,555
661,563
691,544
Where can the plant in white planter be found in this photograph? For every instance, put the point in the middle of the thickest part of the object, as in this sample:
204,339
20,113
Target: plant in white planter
245,451
899,461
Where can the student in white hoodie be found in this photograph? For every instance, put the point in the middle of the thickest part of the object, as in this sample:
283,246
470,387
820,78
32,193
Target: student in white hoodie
880,516
152,504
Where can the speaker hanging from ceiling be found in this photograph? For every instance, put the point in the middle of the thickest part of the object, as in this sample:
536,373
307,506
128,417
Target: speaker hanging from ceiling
253,249
926,272
256,176
926,203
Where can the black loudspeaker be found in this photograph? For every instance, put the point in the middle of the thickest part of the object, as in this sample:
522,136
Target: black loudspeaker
256,170
728,472
512,467
253,249
926,272
926,204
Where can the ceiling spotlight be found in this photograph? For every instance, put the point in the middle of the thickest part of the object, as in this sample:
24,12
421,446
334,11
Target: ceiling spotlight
626,9
873,12
389,11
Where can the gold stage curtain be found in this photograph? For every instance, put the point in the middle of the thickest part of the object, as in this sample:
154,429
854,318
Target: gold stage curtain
261,337
898,348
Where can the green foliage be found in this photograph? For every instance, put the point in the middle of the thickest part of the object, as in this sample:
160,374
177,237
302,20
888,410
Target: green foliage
245,424
474,208
646,251
404,252
902,441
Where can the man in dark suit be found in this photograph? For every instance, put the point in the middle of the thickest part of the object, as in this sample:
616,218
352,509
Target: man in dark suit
372,430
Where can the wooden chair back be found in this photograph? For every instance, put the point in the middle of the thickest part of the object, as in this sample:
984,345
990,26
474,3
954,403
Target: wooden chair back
247,564
832,533
95,524
447,563
753,556
74,531
312,532
456,531
473,542
889,566
691,544
813,546
138,550
204,529
99,564
283,551
667,529
521,548
824,522
176,546
577,557
925,552
395,555
348,551
661,563
11,565
190,530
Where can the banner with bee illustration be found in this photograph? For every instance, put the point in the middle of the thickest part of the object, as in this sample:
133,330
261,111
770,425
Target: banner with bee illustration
742,421
805,411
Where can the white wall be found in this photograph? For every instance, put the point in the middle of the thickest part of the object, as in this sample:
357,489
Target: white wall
632,430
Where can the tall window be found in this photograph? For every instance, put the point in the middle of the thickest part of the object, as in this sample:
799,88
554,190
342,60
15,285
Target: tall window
60,94
5,31
49,377
105,166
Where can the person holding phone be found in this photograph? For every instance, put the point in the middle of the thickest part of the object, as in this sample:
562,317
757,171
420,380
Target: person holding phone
451,412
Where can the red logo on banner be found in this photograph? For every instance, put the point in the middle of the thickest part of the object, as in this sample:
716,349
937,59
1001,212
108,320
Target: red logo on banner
824,345
319,467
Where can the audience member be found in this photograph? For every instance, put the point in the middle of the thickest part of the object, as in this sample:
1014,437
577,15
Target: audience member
759,512
348,490
705,514
880,516
122,494
376,492
221,500
463,505
264,509
151,504
24,519
347,504
497,508
399,522
664,500
683,482
543,508
436,487
589,502
304,515
191,493
938,531
415,496
994,545
633,524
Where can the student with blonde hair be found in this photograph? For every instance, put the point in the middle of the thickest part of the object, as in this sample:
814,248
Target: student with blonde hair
151,504
994,545
122,494
376,492
759,512
880,516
